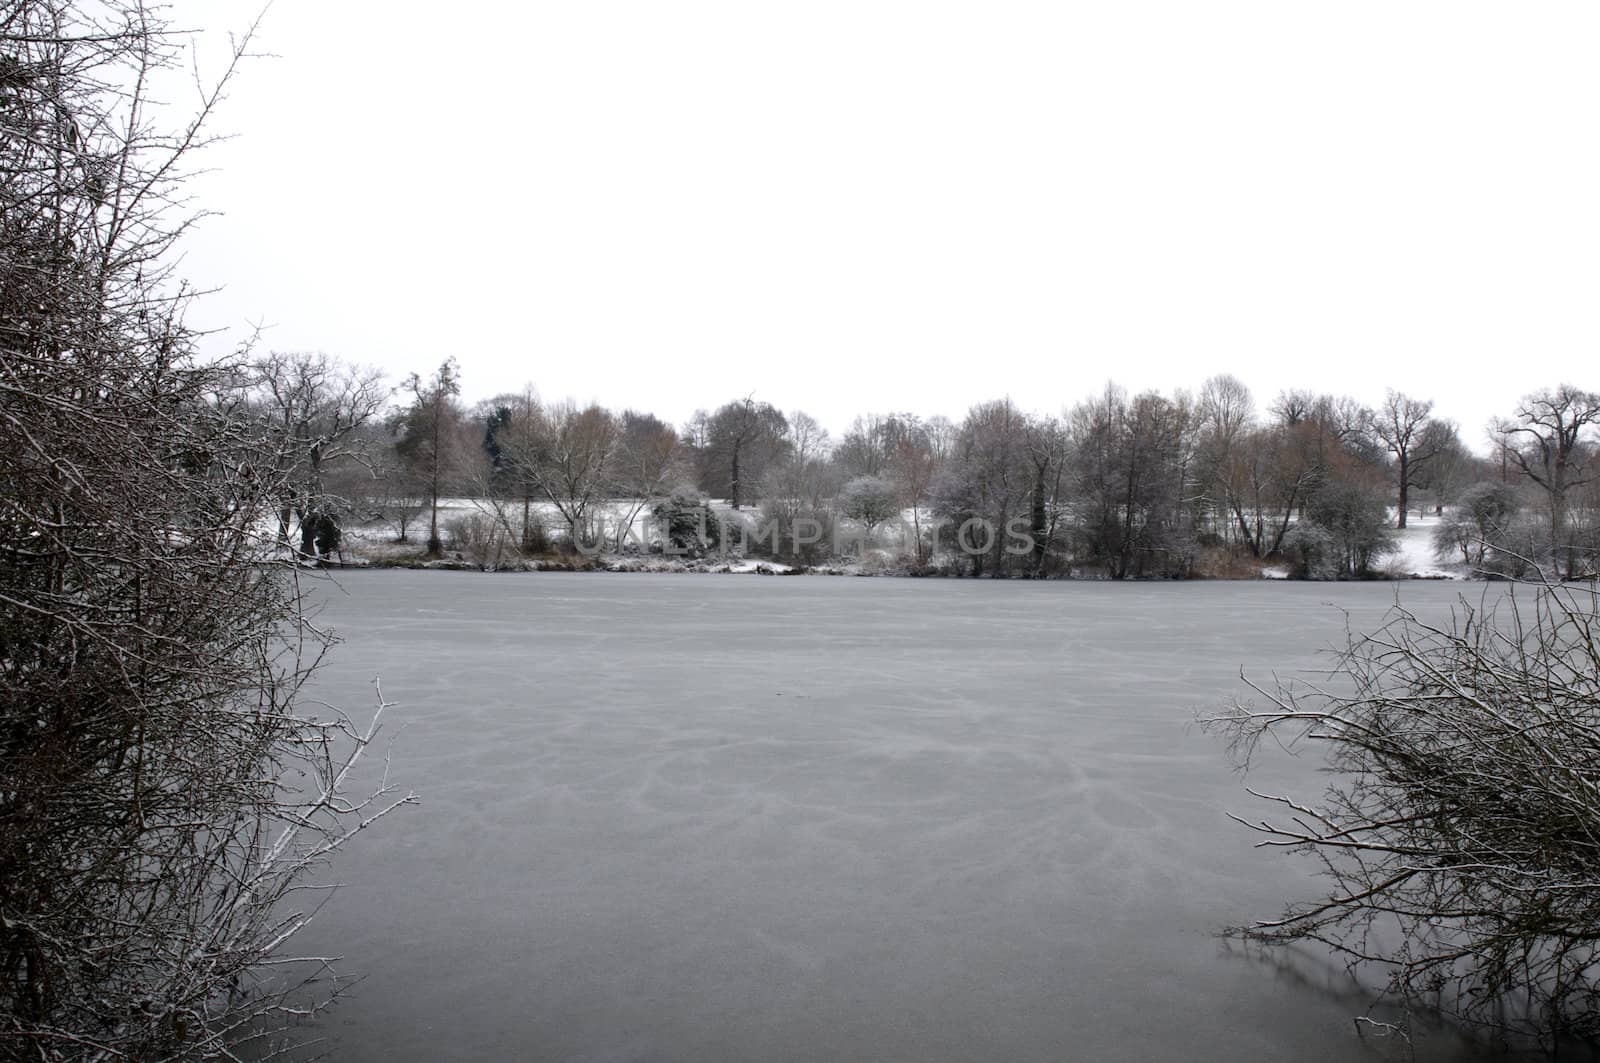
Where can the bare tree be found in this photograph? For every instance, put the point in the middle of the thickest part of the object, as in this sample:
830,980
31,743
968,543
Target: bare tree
1267,475
313,408
941,434
1048,447
649,461
1225,414
1293,406
512,424
986,483
1402,424
1452,466
1461,830
912,470
741,439
798,485
567,451
870,444
1128,462
1556,451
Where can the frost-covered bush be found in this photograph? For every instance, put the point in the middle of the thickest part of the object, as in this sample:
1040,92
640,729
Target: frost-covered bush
1355,517
482,540
1492,530
687,524
1309,551
871,500
1479,521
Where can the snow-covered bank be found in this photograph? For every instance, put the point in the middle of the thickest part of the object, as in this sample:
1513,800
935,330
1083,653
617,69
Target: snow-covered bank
1414,558
374,545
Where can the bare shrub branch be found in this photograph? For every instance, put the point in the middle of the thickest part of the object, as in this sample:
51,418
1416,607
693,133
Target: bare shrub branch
161,795
1461,831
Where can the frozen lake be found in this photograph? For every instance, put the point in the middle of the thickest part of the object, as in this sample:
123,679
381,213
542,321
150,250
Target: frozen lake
699,818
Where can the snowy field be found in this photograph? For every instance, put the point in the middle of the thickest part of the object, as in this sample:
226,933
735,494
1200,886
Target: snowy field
754,819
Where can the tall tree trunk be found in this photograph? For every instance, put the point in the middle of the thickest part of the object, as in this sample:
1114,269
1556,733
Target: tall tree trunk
435,545
1037,521
1558,520
1405,491
1252,541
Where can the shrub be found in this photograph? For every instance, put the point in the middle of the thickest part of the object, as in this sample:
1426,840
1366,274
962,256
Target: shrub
1309,550
687,523
869,500
1461,831
162,793
535,537
1355,518
1479,523
481,539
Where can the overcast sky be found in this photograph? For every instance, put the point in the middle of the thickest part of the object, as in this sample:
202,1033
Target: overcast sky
865,205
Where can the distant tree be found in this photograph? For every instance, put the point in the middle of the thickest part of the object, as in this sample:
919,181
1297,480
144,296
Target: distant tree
511,427
1402,424
741,440
354,482
869,446
1268,474
1481,529
568,452
1293,406
398,495
1128,462
1326,441
1224,416
1048,447
911,470
871,500
1352,513
312,409
1552,443
648,458
695,435
797,486
1309,551
985,483
688,524
429,437
1451,469
941,434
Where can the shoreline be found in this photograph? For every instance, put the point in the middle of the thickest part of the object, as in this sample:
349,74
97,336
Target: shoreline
605,564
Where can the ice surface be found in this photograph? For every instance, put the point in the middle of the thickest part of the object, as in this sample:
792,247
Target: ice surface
705,818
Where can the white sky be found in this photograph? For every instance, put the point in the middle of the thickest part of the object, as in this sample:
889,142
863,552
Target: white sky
869,205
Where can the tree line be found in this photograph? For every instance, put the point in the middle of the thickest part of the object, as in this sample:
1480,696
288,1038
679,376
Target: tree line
1118,485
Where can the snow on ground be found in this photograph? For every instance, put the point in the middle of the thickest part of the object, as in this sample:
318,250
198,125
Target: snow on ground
1415,556
1414,559
751,566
